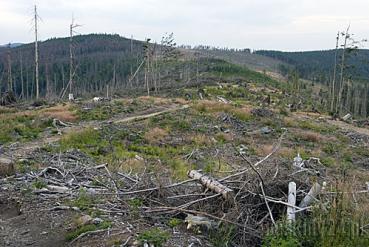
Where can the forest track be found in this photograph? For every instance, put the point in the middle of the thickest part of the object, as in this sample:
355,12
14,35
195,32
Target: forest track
349,127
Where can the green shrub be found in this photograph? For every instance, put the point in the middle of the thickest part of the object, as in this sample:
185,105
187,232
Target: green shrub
173,222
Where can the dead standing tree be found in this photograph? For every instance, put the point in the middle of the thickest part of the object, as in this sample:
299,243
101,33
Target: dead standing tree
333,85
167,53
9,60
72,68
341,88
35,21
148,57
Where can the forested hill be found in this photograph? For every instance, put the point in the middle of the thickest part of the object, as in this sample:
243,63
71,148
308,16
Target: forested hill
99,58
318,65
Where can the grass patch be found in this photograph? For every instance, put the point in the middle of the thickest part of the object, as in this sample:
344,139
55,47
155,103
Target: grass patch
81,140
154,236
92,142
22,127
83,201
174,222
310,125
207,106
104,111
87,228
39,184
155,135
334,222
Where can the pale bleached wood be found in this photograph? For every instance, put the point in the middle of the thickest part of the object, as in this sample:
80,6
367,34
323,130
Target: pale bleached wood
311,196
212,184
291,201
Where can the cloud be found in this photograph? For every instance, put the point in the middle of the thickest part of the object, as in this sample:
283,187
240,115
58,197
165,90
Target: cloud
260,24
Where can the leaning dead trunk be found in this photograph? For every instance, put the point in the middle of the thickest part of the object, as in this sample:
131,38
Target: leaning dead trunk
310,198
212,184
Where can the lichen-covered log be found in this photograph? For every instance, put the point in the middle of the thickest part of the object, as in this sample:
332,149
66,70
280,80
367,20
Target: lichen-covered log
212,184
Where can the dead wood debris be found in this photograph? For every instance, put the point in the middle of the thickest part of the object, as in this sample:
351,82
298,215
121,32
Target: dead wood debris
251,198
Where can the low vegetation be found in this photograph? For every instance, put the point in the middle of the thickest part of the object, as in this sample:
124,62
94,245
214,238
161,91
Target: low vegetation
244,112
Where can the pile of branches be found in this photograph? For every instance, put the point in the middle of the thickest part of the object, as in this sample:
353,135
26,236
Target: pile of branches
7,98
244,202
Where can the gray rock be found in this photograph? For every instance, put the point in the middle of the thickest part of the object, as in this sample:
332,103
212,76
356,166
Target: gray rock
266,130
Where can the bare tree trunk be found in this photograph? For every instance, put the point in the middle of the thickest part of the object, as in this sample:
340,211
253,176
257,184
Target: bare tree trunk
72,70
27,85
333,89
10,79
21,74
341,82
291,201
36,55
364,102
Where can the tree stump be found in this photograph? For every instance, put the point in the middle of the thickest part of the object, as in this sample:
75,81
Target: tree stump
6,167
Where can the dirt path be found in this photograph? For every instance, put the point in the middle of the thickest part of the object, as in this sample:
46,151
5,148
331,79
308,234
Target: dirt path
22,150
349,127
340,124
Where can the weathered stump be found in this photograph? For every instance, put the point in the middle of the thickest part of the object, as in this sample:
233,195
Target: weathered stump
6,167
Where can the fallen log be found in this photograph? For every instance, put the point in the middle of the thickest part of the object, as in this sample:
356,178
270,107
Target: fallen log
212,184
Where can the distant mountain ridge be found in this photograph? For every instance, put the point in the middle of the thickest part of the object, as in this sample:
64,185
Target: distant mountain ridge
318,65
99,58
12,45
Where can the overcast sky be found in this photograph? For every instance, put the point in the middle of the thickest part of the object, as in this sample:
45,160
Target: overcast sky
257,24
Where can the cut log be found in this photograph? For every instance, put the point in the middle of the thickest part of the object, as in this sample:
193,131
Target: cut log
346,117
212,184
291,201
6,167
310,198
58,189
